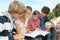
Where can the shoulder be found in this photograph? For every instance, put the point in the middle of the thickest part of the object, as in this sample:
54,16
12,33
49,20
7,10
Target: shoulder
3,19
17,21
30,19
47,17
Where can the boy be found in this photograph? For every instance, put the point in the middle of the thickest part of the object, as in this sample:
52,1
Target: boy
16,9
43,19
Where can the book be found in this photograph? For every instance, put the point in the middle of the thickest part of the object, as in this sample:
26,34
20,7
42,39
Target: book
37,33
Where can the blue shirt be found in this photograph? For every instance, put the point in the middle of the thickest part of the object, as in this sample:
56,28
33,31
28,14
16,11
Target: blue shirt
43,21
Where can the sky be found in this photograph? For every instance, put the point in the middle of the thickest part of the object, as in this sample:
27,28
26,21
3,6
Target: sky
35,4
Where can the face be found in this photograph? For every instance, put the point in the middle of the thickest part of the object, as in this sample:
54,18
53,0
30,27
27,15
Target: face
35,17
16,16
22,15
28,12
43,14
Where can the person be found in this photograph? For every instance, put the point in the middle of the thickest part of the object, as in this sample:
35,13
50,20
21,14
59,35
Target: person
21,23
33,23
16,9
43,19
28,11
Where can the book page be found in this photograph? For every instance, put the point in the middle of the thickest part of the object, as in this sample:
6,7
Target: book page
36,33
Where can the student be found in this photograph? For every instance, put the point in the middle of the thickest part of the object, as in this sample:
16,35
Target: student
33,23
43,19
16,9
21,23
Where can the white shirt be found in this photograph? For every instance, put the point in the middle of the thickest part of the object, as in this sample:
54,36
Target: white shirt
22,25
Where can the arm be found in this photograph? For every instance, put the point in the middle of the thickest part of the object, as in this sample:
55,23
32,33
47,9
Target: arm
19,34
17,28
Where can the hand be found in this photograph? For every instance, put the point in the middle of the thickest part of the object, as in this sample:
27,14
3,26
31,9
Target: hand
37,28
18,36
30,32
21,35
52,22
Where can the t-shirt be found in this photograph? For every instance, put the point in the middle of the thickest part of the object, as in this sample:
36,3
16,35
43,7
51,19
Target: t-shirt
6,21
22,25
43,21
32,24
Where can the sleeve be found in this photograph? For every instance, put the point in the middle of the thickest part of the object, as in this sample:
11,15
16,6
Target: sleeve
42,25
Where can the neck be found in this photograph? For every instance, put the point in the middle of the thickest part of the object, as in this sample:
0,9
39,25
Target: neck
11,15
23,19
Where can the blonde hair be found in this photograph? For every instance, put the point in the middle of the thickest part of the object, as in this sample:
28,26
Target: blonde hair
17,7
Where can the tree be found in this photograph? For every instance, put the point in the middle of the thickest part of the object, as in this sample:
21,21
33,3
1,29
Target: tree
56,10
51,15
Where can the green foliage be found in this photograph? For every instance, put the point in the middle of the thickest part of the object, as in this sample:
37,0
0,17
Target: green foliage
51,15
56,10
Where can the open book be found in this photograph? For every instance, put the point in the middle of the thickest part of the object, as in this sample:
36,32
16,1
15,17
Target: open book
37,33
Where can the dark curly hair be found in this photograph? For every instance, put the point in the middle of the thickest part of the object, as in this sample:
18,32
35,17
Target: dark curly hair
45,10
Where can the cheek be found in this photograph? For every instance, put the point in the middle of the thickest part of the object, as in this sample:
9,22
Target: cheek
17,16
27,14
35,17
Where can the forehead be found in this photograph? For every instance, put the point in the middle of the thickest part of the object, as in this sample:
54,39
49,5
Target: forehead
44,13
28,10
36,15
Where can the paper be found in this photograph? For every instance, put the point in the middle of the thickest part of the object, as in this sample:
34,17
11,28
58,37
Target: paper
36,33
